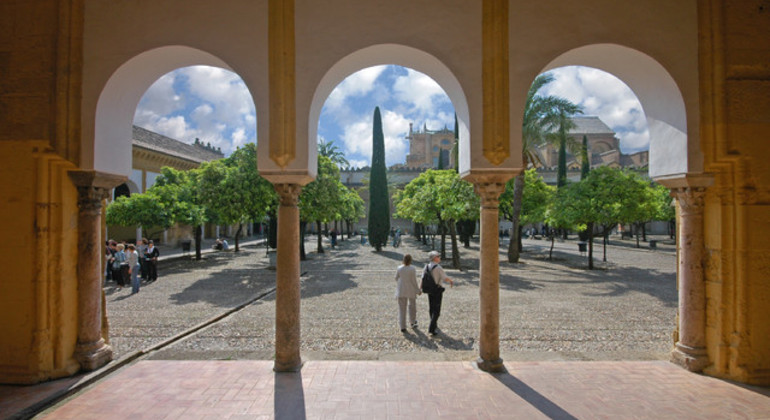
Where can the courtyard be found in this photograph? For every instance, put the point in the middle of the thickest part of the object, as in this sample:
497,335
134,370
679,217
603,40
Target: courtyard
577,343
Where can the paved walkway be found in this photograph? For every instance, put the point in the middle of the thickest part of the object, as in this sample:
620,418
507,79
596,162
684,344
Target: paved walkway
192,390
577,343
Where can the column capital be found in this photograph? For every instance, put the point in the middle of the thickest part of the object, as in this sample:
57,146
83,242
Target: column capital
288,193
690,199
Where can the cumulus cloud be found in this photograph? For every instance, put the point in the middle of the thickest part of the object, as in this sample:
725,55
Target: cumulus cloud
420,92
357,84
604,95
202,102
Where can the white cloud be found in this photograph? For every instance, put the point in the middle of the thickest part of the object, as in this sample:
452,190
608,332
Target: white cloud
357,84
238,138
603,95
420,92
202,102
358,163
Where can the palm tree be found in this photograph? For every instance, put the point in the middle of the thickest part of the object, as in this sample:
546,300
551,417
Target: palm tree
331,151
543,115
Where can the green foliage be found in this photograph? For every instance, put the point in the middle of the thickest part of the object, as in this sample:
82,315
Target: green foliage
320,200
233,189
664,209
144,210
605,197
331,151
437,196
379,204
178,192
536,198
353,206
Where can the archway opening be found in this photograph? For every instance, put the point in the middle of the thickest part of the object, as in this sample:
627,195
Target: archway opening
182,118
593,313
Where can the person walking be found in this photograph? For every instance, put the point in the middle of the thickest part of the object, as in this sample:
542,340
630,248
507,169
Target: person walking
151,255
407,290
438,275
133,268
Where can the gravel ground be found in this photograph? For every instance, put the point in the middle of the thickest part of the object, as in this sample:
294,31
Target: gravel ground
549,310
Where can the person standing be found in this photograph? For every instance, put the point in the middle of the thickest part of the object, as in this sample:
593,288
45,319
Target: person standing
118,261
435,296
406,293
151,255
133,268
142,261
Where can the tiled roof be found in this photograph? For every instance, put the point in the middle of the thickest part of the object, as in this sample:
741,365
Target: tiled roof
147,139
590,125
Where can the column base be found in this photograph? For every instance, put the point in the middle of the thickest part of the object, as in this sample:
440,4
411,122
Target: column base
92,356
492,366
287,367
690,358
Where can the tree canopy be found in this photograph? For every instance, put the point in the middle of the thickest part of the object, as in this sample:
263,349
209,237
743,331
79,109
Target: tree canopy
438,197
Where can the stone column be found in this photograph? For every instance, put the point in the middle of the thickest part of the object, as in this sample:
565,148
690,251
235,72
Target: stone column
91,351
690,350
489,273
287,293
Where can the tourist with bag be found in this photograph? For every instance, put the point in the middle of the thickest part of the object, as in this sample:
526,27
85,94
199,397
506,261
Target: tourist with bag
432,277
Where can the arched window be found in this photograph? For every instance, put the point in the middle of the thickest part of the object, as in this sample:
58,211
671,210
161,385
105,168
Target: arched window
120,191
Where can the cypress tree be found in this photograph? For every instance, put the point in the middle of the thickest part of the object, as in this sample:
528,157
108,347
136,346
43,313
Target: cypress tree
379,204
561,172
456,147
585,167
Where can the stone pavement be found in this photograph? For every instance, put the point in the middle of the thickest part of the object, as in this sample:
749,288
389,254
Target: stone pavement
219,390
222,308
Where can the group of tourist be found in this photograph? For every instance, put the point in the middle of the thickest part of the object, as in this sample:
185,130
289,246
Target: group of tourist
408,288
126,263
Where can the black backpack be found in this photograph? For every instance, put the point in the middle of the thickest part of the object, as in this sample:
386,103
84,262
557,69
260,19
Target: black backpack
428,284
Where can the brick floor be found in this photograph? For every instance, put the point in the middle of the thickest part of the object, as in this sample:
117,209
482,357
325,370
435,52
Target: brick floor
408,390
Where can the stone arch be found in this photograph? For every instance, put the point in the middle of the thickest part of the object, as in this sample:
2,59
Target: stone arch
120,96
658,93
400,55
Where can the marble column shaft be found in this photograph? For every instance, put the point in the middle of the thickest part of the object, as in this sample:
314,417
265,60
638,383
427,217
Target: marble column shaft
287,294
690,350
91,351
489,281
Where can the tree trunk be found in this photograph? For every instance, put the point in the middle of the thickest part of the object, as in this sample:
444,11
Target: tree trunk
320,249
470,229
591,247
636,232
238,236
644,232
455,250
518,194
605,234
552,234
442,226
198,238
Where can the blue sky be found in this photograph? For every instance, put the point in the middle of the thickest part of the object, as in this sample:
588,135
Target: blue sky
214,105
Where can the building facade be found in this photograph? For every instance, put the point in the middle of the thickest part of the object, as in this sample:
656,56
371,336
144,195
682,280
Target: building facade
427,147
150,152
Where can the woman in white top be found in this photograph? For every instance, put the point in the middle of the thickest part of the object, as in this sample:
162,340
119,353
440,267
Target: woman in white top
406,293
133,268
